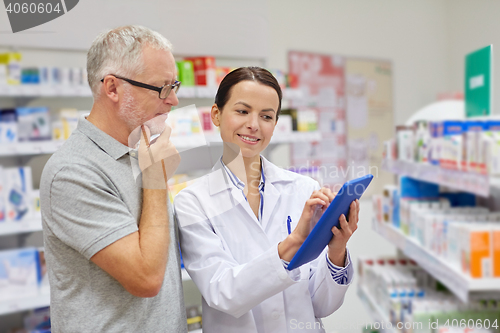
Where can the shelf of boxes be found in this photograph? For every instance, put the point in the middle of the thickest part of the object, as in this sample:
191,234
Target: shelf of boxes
374,309
30,148
456,281
24,303
38,90
461,180
19,227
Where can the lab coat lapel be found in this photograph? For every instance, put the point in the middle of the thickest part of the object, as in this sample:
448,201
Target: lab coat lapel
219,183
271,198
272,193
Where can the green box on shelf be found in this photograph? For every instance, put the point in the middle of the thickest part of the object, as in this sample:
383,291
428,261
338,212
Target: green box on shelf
479,82
185,69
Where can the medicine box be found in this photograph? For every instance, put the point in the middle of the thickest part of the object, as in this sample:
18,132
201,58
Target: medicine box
8,126
204,71
18,186
496,250
451,145
476,250
19,273
185,69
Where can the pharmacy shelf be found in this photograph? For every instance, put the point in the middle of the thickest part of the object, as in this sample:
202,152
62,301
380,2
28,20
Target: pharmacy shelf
197,92
456,281
19,227
30,148
38,90
374,309
461,180
40,301
191,141
24,303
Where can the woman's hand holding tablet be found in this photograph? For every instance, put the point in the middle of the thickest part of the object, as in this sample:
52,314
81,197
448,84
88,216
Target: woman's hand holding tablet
320,198
345,202
338,243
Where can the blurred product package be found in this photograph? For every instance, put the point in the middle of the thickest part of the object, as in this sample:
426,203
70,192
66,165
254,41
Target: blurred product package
17,189
33,123
204,71
12,62
19,273
185,69
8,126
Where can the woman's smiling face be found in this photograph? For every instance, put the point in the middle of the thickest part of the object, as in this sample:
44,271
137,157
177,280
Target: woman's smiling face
249,117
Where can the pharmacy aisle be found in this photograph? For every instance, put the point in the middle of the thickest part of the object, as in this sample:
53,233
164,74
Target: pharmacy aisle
443,218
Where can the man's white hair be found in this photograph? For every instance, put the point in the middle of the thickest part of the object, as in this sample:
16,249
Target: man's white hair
118,51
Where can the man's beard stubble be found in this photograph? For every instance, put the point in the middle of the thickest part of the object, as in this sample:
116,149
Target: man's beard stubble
131,113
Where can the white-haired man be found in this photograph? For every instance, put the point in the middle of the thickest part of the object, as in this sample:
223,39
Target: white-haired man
110,241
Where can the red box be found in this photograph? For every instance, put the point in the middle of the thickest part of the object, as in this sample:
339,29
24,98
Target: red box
220,73
204,71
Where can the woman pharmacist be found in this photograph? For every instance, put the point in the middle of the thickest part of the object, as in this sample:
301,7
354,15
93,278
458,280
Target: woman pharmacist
241,224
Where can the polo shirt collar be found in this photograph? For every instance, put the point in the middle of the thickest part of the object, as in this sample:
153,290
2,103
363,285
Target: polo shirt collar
107,143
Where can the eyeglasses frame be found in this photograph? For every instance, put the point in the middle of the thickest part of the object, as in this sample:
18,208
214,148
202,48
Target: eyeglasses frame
148,86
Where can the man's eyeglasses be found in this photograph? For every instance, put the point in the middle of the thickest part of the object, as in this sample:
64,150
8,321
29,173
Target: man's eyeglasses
163,92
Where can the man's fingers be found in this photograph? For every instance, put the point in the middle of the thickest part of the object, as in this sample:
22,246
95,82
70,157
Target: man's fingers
165,135
145,135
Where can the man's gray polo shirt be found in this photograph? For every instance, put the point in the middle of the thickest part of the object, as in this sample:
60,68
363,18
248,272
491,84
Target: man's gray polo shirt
89,199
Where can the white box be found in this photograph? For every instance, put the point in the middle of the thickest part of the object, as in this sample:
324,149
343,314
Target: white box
18,273
18,188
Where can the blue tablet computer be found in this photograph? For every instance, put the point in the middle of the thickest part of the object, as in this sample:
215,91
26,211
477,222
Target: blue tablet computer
321,234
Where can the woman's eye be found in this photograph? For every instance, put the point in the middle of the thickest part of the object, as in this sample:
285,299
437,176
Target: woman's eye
268,117
242,111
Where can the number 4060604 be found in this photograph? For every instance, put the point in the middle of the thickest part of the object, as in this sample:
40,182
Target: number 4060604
472,324
33,8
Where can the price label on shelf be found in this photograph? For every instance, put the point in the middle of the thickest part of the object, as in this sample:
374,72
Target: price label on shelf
48,90
14,306
187,92
14,90
65,90
206,92
83,91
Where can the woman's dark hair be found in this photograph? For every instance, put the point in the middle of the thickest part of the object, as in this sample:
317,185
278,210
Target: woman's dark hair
257,74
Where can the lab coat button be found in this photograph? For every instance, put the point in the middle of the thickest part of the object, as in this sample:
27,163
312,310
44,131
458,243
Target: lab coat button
275,315
282,275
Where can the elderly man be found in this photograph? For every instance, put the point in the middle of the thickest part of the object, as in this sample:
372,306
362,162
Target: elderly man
110,241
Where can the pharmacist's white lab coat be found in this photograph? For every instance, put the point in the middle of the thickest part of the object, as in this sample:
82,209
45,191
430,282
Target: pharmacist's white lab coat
233,258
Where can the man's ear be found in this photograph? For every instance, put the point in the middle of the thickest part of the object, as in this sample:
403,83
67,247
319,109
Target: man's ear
215,114
110,88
